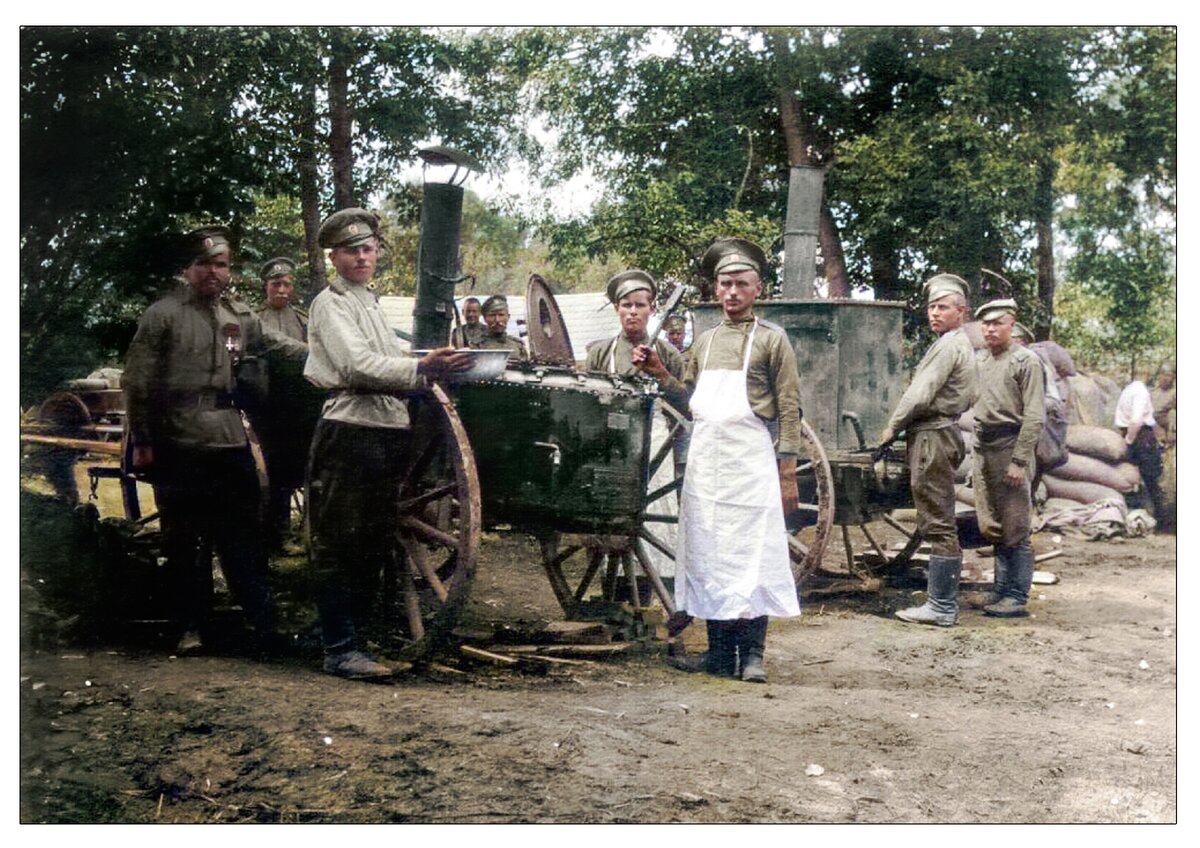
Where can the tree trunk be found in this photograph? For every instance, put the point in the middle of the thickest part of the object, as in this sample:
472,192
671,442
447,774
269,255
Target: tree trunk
340,150
885,272
798,147
310,195
1044,218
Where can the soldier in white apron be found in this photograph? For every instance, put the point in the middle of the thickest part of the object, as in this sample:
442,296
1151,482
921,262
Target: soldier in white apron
733,568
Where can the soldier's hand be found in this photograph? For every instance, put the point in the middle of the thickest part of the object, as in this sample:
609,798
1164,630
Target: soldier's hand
886,436
1015,475
788,489
142,457
444,360
646,358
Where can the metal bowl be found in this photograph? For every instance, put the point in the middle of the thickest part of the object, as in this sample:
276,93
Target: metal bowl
485,365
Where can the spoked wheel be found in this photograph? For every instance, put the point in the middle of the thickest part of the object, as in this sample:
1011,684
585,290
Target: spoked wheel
438,535
627,567
815,481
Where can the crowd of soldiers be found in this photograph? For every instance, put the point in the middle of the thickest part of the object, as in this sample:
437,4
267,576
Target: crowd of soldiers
197,356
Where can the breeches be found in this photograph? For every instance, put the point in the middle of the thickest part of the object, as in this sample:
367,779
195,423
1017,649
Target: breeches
933,455
1003,510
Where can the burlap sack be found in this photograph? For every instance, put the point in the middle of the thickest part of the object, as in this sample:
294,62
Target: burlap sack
1086,404
1099,442
1087,469
1059,358
1078,490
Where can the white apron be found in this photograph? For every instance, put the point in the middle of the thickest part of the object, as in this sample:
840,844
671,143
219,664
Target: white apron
669,505
733,551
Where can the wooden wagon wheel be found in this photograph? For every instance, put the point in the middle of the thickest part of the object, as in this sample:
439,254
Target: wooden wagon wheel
438,535
615,562
815,481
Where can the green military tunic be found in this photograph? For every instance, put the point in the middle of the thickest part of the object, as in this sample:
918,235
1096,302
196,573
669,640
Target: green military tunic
286,422
179,387
179,380
503,341
943,388
289,321
617,353
468,335
772,378
1009,416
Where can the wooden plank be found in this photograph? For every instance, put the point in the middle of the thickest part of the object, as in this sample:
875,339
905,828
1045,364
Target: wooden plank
576,631
487,656
612,648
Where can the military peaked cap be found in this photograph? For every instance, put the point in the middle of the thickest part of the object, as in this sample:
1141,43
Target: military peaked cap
495,303
348,228
730,255
943,284
1020,331
630,281
205,242
993,309
280,266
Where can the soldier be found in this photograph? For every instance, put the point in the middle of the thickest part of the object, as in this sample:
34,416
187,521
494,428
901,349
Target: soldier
360,445
632,294
943,388
741,479
1008,421
675,328
471,333
187,434
278,276
285,421
495,313
1162,401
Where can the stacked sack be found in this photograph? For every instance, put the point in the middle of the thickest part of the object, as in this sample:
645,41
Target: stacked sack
1096,469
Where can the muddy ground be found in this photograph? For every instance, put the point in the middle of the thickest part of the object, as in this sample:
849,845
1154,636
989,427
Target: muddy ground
1069,716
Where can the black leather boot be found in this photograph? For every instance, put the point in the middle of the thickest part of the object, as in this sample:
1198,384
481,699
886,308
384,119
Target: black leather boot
751,647
1015,593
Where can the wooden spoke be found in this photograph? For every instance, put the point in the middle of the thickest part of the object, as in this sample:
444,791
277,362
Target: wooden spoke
663,450
429,532
412,606
807,545
674,486
595,559
656,542
416,556
643,556
439,524
421,500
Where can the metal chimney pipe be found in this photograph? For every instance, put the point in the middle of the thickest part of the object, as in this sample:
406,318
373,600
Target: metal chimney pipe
437,265
805,186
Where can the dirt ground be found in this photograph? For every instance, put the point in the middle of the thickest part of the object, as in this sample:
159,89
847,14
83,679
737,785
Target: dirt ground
1069,716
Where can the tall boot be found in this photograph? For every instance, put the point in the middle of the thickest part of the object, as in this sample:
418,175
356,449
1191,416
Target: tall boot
941,608
721,657
752,644
1016,590
1001,568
